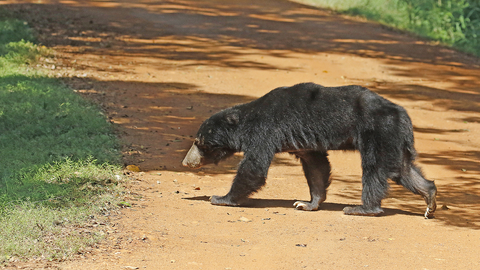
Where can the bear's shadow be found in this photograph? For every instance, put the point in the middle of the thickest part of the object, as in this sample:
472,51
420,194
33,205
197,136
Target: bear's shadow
281,203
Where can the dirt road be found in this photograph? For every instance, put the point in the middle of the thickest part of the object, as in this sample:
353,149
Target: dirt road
159,68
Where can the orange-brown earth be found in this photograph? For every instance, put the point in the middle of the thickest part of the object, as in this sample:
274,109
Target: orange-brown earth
159,68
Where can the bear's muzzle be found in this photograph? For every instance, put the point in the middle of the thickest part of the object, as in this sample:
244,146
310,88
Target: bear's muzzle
193,159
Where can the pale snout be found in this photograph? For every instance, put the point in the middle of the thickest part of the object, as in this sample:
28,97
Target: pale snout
193,159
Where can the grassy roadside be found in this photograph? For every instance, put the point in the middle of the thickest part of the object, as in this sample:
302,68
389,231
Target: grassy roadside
59,158
452,22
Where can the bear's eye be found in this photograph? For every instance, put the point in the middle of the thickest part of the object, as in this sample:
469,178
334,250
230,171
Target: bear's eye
209,148
204,146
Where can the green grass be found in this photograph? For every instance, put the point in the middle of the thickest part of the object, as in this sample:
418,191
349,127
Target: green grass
452,22
59,156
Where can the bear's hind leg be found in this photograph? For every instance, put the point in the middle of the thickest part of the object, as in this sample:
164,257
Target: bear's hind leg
375,163
375,188
416,183
317,171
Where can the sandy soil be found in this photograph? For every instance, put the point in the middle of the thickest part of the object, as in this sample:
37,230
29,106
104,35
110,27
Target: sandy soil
159,68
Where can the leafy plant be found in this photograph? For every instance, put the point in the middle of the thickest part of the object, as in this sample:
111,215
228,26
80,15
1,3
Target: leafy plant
59,157
452,22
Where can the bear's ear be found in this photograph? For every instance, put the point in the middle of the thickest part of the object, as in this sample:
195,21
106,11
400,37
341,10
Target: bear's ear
233,117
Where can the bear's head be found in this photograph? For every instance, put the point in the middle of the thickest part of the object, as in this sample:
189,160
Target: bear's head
216,139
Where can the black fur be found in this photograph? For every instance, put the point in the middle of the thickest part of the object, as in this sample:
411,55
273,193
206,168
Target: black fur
308,120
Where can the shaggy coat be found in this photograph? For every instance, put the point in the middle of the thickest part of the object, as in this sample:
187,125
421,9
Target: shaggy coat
308,120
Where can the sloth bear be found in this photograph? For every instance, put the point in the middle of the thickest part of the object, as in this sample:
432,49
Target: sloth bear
307,120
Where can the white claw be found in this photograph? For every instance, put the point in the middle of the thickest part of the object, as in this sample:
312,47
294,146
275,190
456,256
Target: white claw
299,205
426,213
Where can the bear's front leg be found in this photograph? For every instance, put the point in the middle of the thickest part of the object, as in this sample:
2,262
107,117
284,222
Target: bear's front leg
240,190
222,200
251,176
